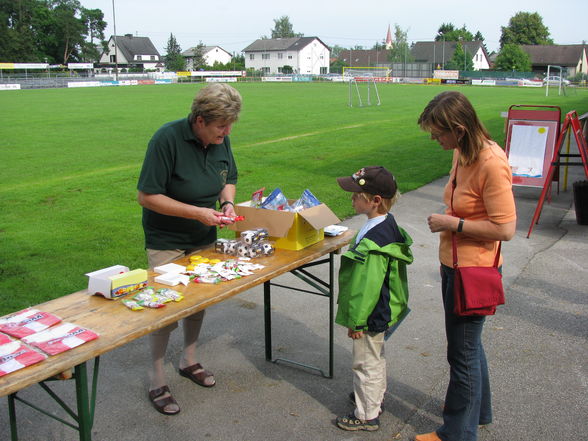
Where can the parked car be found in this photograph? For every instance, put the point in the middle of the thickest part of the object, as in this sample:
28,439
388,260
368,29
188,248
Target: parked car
554,81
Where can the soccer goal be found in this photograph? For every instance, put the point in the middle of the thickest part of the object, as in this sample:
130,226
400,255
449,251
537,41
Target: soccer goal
362,84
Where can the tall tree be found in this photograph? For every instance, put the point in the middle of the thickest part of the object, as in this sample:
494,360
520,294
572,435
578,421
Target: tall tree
173,59
400,51
283,28
525,28
93,20
512,58
461,59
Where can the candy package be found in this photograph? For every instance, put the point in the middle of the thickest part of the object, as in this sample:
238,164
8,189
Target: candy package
307,200
257,198
276,201
15,356
27,322
60,338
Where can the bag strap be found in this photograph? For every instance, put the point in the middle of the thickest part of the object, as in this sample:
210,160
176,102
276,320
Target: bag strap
453,238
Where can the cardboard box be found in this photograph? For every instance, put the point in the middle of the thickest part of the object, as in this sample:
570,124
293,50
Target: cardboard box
290,231
116,281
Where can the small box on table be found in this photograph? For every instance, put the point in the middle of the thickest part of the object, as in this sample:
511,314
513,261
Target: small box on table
116,281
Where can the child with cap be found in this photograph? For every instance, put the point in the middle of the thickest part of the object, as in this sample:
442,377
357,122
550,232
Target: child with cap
373,290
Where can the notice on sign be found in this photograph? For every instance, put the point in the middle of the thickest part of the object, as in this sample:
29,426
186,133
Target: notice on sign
527,150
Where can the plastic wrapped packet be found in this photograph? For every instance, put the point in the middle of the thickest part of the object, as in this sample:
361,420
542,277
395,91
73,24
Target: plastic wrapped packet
276,201
15,356
27,322
257,198
307,200
133,305
170,294
60,338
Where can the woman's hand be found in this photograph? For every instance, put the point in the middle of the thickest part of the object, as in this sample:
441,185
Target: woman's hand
442,222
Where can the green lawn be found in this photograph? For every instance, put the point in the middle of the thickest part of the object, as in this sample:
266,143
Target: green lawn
71,157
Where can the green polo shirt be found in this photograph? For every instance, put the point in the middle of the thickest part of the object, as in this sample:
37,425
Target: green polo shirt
177,165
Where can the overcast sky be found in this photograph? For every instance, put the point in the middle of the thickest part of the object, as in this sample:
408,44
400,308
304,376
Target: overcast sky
233,25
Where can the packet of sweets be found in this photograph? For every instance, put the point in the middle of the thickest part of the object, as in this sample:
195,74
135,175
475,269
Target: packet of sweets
276,201
307,200
257,197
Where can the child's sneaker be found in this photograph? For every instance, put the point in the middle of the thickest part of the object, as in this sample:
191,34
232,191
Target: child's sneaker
350,422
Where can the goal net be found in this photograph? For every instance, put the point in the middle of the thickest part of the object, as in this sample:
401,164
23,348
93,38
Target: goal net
363,74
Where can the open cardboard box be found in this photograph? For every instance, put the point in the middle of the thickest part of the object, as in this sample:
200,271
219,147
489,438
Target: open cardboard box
290,231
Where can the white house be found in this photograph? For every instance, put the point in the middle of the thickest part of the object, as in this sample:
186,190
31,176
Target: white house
303,55
211,55
130,52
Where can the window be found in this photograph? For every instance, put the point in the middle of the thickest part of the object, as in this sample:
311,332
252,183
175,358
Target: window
265,70
152,57
279,70
280,55
112,59
265,56
323,70
252,56
139,57
289,57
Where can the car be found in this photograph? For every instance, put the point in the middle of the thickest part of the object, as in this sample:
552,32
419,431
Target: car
554,80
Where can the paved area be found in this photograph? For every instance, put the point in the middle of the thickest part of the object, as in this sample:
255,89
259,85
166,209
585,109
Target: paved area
536,346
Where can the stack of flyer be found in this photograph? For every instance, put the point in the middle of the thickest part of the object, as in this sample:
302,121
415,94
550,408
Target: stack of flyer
40,334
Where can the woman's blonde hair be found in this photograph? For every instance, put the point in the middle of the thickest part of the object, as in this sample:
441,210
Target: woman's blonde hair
452,111
216,101
387,203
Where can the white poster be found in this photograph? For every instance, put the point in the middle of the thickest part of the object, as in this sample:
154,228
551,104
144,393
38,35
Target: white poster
527,150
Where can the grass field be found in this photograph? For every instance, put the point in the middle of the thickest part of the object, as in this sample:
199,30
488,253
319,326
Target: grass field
71,158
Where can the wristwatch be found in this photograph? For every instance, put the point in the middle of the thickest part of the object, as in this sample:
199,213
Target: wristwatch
459,225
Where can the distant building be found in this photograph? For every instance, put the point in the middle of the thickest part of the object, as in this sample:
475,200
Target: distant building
365,57
211,55
304,55
570,56
440,52
131,52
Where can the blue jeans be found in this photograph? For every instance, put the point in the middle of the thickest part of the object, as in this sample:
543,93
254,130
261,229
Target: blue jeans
468,401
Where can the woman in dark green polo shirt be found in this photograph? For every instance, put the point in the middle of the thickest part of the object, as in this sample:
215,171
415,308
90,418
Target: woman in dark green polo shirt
188,167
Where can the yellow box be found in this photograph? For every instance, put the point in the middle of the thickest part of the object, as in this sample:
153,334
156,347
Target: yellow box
125,283
289,231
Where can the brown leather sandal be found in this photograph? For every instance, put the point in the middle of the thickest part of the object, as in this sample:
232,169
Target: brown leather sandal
160,404
197,377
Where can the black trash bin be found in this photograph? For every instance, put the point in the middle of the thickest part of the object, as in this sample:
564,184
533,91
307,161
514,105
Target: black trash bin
581,202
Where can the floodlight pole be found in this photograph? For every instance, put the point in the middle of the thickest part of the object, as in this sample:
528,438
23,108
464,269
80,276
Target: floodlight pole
115,45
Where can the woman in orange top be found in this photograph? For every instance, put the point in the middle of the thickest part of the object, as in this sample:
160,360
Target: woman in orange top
485,205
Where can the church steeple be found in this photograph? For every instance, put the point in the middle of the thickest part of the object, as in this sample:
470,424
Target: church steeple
389,43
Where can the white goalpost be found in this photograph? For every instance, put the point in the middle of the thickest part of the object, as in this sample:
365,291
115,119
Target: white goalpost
362,82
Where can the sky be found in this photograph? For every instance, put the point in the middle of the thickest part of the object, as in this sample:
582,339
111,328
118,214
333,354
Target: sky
233,25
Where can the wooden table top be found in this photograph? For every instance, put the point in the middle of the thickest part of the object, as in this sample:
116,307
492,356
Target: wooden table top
118,325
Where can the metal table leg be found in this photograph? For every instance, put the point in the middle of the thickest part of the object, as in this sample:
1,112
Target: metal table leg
325,289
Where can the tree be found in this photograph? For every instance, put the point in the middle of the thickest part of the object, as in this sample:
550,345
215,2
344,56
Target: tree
525,28
400,51
198,61
448,32
512,58
336,51
174,61
461,59
94,23
283,28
